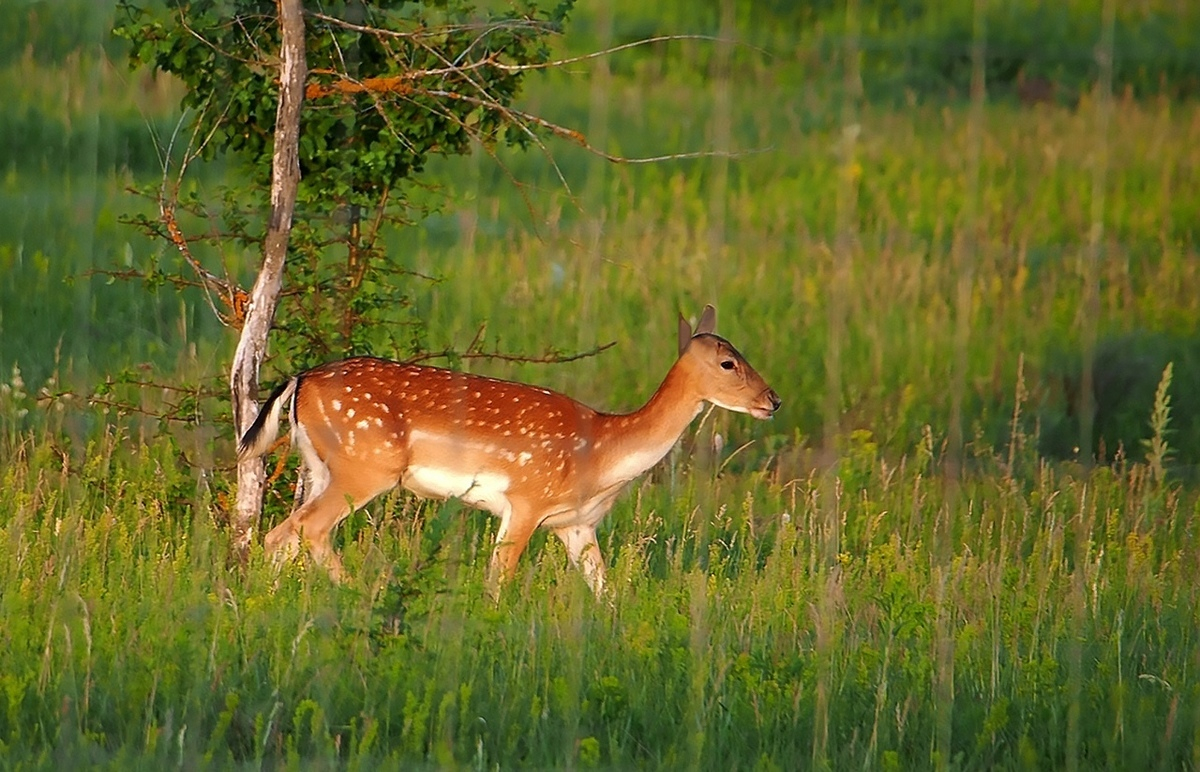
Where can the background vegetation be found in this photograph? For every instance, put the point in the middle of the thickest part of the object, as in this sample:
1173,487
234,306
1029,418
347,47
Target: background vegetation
827,595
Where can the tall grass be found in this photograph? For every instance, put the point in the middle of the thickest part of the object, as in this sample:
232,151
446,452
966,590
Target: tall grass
772,278
773,606
1054,612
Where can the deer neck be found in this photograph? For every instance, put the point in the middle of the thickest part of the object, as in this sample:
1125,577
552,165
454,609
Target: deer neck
631,443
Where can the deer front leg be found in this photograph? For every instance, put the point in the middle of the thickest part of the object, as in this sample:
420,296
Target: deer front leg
516,527
584,551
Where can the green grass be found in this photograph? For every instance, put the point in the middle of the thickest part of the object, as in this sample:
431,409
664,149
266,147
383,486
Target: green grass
880,617
808,602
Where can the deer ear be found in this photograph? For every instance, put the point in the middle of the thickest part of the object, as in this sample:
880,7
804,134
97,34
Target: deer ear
708,321
685,334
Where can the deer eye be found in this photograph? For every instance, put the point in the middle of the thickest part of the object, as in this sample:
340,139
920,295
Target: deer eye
727,364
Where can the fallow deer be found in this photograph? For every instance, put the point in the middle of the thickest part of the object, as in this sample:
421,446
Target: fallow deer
531,456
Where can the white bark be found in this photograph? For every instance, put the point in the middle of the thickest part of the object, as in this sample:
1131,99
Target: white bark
252,346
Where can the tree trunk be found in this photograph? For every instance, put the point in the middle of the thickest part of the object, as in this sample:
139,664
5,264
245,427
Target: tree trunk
252,346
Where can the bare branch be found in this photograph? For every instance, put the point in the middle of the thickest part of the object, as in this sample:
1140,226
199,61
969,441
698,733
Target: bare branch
487,28
168,200
551,357
511,114
234,296
183,22
405,86
615,49
433,32
397,84
180,412
578,138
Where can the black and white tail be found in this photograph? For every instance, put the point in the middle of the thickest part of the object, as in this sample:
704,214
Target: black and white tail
262,433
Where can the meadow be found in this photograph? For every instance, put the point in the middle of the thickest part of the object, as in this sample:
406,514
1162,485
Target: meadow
911,566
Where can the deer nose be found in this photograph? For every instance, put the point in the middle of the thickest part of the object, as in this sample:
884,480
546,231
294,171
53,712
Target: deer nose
775,400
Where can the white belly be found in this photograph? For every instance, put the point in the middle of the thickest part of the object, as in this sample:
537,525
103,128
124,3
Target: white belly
485,490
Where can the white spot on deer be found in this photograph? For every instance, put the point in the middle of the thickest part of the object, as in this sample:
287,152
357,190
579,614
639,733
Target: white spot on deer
378,421
350,412
363,424
524,458
337,404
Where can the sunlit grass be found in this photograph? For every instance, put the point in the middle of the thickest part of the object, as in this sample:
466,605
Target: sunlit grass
806,602
129,637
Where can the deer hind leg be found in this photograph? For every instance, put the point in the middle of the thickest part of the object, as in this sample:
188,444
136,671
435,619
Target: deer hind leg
584,551
313,522
283,541
516,526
